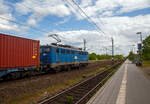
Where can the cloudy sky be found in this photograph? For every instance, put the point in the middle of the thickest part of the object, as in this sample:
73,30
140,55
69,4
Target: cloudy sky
120,19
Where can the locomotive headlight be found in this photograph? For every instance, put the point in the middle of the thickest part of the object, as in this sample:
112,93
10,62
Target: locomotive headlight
75,57
44,54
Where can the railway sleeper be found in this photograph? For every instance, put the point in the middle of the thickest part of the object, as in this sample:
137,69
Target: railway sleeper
79,91
63,100
76,93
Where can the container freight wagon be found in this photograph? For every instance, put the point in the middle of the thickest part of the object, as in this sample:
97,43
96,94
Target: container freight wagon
18,54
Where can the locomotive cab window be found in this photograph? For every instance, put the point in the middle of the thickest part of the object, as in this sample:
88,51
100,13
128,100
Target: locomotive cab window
84,53
80,52
63,51
57,50
46,50
72,52
68,51
77,52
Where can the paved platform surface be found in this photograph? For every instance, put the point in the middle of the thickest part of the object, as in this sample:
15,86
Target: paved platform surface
127,86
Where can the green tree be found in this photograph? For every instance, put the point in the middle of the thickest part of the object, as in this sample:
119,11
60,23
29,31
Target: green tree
146,49
131,56
102,57
92,56
119,57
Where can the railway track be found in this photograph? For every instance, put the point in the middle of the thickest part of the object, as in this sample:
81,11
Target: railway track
28,74
83,91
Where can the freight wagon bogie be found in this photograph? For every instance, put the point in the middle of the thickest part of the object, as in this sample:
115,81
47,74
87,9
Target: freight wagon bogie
17,73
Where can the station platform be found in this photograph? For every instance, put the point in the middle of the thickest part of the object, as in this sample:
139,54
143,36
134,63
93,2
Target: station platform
127,86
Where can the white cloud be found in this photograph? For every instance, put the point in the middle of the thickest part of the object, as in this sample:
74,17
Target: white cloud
32,21
7,21
100,7
5,16
131,5
122,29
62,22
107,13
3,8
73,37
40,9
86,3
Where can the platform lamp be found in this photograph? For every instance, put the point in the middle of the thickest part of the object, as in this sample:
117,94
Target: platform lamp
140,36
140,49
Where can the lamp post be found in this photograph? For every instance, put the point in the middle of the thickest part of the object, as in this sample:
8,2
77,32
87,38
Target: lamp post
133,49
112,50
140,48
140,36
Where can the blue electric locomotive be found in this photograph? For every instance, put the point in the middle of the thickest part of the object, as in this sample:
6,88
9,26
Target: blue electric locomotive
62,56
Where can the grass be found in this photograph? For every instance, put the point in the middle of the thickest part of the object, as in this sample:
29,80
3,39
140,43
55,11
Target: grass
96,71
146,63
69,99
43,93
146,68
32,98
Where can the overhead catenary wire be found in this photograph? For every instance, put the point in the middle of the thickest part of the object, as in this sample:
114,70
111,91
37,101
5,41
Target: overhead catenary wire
33,28
43,31
4,18
37,29
98,29
66,39
89,18
82,15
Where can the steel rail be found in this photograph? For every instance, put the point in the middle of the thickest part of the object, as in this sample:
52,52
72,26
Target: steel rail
53,98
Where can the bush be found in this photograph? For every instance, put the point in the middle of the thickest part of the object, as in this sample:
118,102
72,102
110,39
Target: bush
93,56
146,49
69,99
